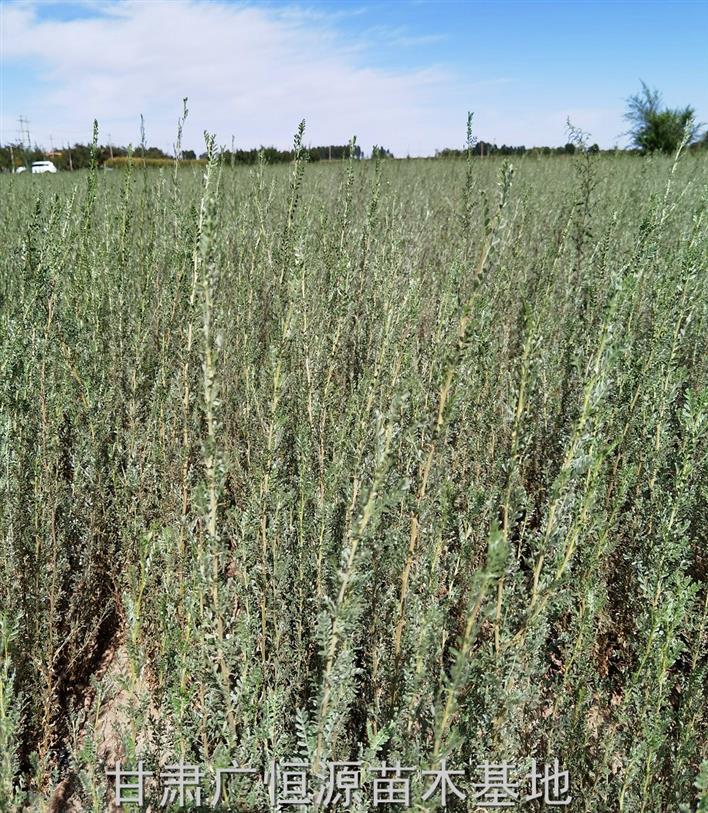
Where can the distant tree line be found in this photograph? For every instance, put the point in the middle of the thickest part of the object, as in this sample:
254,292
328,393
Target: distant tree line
272,155
484,148
655,128
78,156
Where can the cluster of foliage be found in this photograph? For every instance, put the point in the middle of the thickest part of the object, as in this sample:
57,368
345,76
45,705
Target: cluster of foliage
335,152
377,151
656,128
371,460
275,156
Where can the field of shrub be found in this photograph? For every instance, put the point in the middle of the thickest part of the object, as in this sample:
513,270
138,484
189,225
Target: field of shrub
371,460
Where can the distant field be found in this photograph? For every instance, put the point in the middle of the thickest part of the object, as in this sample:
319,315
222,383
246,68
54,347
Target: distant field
398,460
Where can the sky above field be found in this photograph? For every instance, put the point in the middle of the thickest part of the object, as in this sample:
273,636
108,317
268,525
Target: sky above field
399,74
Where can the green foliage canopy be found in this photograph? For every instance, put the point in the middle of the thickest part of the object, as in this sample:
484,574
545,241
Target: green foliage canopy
656,128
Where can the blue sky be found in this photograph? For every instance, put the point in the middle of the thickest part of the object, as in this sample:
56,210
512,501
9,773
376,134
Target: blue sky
402,74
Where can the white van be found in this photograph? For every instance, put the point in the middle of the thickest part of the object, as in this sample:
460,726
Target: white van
43,166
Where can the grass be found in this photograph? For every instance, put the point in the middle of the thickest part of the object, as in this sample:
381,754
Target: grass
380,460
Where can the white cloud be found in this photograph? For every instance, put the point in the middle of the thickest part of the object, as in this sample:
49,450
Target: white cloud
249,71
254,71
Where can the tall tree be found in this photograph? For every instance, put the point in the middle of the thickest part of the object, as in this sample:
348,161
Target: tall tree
657,128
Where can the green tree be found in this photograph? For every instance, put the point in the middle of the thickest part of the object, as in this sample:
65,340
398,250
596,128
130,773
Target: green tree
656,128
701,143
382,152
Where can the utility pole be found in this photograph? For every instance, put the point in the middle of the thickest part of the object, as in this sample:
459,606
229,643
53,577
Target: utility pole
24,138
23,127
